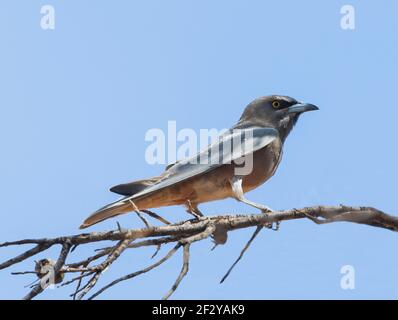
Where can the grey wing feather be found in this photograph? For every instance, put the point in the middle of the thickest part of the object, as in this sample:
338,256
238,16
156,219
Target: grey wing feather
230,146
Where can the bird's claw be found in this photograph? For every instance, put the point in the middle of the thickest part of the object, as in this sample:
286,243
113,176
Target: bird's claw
265,209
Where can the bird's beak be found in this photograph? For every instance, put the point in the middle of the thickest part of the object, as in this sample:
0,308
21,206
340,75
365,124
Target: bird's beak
301,107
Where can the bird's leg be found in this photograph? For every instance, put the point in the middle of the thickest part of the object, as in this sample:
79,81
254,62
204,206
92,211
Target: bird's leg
137,211
149,213
193,209
236,184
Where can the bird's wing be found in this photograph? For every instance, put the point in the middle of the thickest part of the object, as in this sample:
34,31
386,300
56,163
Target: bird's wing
232,145
130,188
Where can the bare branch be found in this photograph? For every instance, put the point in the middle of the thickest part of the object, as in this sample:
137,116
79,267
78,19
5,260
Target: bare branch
37,289
154,215
27,254
183,233
184,271
254,235
137,273
119,248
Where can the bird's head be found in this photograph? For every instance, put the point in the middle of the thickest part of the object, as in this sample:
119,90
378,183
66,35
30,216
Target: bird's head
278,112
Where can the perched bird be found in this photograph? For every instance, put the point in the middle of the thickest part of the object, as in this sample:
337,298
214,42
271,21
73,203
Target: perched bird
260,131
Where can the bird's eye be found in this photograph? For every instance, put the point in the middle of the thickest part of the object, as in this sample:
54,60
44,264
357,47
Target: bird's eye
276,104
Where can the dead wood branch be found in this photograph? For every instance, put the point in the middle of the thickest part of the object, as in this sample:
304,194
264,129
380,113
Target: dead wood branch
183,234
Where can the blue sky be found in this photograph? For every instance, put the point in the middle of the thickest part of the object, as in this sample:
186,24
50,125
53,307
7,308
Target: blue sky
76,102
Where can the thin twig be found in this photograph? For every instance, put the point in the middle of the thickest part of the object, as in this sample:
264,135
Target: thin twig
156,216
254,235
27,254
147,224
159,246
137,273
23,272
74,279
181,233
184,271
39,288
122,245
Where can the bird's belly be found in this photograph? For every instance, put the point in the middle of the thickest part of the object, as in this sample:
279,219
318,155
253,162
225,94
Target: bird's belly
213,185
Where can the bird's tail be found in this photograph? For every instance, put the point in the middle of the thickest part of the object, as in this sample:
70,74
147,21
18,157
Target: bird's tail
121,206
116,208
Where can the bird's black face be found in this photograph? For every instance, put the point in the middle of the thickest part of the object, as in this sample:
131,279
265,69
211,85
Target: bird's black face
279,112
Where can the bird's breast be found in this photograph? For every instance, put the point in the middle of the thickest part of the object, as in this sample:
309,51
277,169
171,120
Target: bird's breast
265,162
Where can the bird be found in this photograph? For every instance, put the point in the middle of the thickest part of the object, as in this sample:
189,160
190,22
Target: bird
261,132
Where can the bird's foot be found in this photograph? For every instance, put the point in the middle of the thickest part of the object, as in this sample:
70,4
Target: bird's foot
194,210
196,215
265,209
